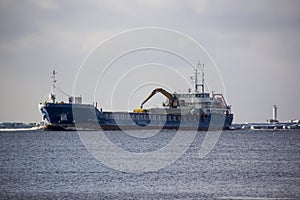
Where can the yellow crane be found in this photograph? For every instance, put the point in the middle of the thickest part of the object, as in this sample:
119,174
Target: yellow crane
173,101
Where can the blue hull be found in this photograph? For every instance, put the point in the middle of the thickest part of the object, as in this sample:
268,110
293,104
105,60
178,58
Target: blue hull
74,116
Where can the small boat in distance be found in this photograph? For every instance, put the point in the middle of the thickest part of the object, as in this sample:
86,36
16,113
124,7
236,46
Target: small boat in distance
197,110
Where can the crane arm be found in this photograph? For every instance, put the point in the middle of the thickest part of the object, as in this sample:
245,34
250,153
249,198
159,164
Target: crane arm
164,92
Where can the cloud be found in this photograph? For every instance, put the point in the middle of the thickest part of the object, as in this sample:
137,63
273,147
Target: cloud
241,35
48,5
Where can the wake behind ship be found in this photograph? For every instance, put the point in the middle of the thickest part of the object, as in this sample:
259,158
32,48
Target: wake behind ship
198,110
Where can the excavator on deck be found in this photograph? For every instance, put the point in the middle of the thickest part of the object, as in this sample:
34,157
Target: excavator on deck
173,100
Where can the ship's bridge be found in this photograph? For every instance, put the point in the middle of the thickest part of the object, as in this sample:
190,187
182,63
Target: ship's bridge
195,100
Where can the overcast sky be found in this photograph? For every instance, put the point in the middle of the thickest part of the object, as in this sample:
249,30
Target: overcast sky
255,44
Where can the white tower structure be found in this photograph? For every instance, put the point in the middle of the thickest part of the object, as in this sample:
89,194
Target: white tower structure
274,112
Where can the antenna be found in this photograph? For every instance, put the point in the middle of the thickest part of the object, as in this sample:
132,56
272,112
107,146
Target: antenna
203,78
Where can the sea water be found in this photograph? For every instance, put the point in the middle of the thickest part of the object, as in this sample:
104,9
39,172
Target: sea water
243,164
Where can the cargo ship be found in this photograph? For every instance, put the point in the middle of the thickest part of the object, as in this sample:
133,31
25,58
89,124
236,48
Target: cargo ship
194,110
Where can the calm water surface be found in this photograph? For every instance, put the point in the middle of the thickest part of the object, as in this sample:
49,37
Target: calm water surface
243,165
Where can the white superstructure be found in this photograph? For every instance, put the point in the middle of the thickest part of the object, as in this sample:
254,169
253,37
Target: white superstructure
196,102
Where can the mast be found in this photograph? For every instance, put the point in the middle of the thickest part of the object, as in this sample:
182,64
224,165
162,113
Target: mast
203,80
195,78
52,95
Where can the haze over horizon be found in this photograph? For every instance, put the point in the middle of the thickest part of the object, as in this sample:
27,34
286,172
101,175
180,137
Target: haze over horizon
255,45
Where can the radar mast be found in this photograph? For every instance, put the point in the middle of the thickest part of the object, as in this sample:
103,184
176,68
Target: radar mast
199,71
